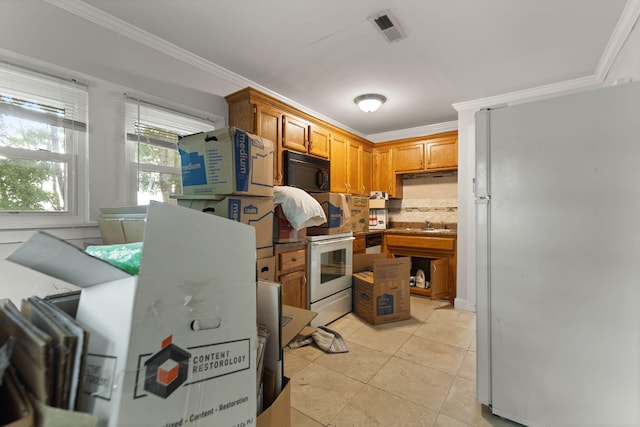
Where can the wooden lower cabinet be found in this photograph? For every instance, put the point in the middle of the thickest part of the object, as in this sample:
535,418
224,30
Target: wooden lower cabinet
435,255
291,273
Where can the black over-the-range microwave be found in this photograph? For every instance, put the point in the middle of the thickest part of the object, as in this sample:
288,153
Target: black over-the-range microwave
306,172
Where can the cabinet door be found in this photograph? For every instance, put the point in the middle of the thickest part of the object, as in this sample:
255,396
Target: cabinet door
338,172
409,158
294,134
367,170
384,178
443,154
294,289
319,141
439,272
354,174
268,125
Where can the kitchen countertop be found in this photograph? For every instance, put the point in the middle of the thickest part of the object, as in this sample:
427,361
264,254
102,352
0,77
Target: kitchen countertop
414,228
423,232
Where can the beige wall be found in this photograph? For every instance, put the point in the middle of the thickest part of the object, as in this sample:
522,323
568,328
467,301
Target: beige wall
432,197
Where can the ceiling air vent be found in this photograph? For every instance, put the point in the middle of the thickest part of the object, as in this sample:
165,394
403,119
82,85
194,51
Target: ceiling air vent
388,26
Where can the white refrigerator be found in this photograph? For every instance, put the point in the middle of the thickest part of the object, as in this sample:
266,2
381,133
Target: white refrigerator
557,191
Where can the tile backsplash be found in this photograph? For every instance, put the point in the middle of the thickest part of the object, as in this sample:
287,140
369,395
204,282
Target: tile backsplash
428,197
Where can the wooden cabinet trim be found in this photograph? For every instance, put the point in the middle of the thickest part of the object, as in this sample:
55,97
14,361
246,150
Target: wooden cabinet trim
256,96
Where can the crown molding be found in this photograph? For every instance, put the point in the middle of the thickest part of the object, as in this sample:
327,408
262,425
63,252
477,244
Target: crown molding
413,132
623,28
531,94
110,22
620,34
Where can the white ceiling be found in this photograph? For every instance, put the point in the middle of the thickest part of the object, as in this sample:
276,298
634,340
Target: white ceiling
322,54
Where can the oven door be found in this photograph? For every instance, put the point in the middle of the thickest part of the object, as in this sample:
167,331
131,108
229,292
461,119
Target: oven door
330,266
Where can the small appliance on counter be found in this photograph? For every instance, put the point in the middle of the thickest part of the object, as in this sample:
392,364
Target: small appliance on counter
378,218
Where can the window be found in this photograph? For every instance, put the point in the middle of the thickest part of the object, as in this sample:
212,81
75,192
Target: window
153,134
43,123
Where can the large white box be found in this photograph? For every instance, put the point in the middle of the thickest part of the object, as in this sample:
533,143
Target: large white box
176,344
255,211
226,161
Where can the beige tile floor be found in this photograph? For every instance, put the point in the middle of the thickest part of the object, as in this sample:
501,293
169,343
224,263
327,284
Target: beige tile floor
417,372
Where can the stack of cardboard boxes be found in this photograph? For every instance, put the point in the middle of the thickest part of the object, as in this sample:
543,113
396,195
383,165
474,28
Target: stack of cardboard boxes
229,172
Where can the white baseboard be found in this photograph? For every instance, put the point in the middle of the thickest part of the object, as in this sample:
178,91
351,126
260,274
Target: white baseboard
463,304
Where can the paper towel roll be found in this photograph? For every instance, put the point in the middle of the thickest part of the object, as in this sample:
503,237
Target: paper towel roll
420,280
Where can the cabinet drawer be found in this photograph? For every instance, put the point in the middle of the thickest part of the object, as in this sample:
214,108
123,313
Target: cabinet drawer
359,245
292,261
425,243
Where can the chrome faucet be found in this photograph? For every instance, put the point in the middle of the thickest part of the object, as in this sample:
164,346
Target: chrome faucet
428,224
443,224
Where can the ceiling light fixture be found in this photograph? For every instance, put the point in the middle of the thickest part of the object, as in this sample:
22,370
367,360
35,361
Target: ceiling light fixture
369,102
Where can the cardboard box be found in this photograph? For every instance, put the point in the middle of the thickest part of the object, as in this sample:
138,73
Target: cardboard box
279,413
283,231
383,195
254,211
123,224
378,219
266,268
336,209
359,211
226,161
381,288
176,344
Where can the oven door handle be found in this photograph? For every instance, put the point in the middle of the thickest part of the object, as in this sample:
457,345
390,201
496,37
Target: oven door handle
332,241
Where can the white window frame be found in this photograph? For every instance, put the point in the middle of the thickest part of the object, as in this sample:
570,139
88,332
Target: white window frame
164,117
44,88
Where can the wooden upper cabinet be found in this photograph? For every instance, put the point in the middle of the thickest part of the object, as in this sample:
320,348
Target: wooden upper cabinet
409,158
367,170
354,167
319,141
442,153
435,152
294,134
338,171
384,177
351,169
268,126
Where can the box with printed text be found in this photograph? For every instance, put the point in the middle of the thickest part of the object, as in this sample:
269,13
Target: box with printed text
336,209
359,211
226,161
381,288
255,211
174,345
